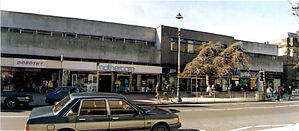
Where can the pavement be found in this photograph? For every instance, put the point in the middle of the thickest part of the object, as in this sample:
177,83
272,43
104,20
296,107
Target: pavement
149,99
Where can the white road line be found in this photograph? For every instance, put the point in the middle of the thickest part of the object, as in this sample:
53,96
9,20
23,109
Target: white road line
240,108
243,128
13,116
282,125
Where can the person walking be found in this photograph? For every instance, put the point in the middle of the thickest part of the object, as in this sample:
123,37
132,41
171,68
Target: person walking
158,92
89,87
281,91
269,92
77,84
117,86
289,91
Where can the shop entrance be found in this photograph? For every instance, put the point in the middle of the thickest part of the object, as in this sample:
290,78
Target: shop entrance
105,83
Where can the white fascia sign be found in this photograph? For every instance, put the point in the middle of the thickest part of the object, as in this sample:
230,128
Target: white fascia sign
30,63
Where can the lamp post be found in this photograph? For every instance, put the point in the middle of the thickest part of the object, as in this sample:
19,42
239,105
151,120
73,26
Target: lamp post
179,16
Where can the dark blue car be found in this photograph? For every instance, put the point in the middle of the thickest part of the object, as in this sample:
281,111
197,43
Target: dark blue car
60,92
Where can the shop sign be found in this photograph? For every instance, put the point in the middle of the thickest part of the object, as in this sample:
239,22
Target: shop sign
30,63
119,68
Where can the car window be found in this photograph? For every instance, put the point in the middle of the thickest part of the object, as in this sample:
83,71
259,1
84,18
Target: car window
61,103
74,109
119,107
93,107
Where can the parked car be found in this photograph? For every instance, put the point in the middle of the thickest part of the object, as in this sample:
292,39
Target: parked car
15,99
60,92
101,111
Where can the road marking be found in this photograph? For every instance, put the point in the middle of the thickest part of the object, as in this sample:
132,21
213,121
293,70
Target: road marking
282,125
243,128
263,126
12,116
240,108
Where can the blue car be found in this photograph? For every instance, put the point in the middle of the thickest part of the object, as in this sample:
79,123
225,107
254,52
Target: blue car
60,92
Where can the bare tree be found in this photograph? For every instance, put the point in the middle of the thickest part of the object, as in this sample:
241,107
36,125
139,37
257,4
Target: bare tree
214,59
295,8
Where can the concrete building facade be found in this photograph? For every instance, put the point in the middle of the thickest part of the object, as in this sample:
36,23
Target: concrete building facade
36,48
289,53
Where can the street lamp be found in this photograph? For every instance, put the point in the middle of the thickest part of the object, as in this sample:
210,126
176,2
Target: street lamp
179,16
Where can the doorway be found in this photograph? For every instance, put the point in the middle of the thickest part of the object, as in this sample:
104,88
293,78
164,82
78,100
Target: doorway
105,83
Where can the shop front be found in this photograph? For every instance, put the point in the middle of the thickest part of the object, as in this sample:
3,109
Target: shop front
127,78
28,74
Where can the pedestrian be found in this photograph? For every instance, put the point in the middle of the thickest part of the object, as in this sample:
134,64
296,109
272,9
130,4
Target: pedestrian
208,90
269,92
289,93
277,93
281,91
50,86
158,92
77,84
89,87
117,86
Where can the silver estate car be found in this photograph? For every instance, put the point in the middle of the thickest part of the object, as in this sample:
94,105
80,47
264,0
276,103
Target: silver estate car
101,111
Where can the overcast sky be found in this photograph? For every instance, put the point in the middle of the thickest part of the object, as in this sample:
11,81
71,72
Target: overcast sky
259,21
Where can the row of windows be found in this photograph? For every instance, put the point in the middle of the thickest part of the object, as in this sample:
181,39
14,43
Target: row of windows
77,36
188,41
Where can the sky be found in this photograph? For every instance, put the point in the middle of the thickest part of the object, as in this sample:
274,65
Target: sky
250,20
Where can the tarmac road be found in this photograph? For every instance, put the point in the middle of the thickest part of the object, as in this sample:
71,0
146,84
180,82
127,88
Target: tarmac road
215,117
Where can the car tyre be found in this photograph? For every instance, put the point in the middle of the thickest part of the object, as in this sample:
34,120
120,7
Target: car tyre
11,103
160,128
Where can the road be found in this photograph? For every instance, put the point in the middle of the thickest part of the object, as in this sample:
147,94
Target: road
215,117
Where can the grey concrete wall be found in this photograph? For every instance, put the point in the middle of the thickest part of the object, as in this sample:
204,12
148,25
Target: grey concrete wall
33,44
260,48
266,63
73,25
170,58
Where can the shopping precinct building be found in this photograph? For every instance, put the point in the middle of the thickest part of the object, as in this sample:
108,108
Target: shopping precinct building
64,50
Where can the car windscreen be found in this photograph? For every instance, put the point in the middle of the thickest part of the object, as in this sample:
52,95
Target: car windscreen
61,104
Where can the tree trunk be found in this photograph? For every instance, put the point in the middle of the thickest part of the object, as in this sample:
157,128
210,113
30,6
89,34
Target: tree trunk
207,80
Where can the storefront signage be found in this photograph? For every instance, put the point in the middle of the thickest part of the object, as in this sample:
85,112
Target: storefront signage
30,63
119,68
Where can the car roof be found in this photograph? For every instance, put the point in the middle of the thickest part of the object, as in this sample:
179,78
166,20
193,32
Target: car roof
95,95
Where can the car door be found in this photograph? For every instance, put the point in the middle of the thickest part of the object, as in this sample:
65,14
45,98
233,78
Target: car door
93,115
124,116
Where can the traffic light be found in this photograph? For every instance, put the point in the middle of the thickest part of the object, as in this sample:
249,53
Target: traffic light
262,75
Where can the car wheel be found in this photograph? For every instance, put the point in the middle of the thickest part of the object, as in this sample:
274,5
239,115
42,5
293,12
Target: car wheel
11,103
160,128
